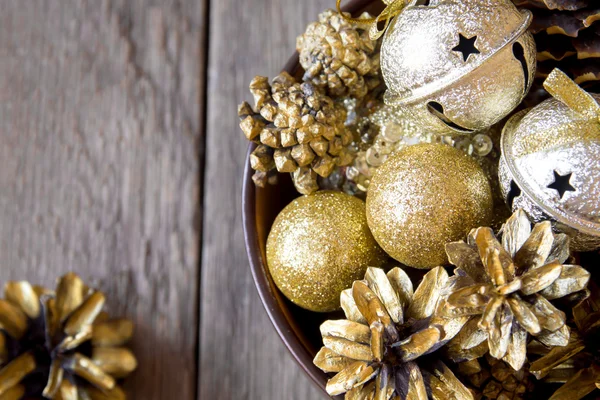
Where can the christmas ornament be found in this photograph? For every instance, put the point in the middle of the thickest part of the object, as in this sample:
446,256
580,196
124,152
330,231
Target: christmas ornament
318,246
59,345
339,56
377,352
458,66
392,131
506,287
495,379
298,130
423,197
549,165
577,364
566,37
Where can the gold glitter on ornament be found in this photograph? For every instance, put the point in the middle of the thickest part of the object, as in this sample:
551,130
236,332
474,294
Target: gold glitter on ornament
318,246
392,130
423,197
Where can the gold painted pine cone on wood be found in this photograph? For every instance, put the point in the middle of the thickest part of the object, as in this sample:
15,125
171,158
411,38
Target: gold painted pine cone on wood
576,365
339,56
567,36
298,130
377,351
64,337
505,287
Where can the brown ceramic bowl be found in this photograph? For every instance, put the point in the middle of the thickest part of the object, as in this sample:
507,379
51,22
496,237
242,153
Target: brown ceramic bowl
298,328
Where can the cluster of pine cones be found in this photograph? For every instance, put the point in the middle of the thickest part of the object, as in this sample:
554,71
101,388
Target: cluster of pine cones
300,127
515,320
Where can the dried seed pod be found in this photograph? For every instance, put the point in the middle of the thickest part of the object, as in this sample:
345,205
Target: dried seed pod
566,37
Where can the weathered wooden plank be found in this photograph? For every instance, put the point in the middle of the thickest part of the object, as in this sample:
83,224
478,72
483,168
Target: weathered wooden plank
100,139
241,356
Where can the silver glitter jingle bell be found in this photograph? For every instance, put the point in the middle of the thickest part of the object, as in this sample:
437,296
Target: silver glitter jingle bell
550,164
458,66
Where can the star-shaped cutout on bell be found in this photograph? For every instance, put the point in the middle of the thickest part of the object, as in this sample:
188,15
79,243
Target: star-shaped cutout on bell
466,46
561,184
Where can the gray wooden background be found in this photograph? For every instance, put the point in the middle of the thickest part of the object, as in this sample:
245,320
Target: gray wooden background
121,159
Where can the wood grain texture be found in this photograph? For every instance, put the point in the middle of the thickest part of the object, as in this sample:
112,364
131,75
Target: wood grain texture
241,356
100,149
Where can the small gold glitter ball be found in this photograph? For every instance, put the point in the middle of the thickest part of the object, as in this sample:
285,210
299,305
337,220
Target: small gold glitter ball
423,197
318,245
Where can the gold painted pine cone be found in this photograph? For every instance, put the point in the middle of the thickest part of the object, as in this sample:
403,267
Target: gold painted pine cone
576,365
64,337
298,129
496,380
339,56
376,352
566,35
505,287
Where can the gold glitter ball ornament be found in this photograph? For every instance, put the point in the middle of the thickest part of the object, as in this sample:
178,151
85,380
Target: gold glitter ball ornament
319,245
423,197
550,164
458,66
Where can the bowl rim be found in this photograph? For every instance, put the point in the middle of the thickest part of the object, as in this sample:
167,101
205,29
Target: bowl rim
258,264
259,273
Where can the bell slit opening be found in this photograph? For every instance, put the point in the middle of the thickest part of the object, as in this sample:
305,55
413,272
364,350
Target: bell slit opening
437,110
519,53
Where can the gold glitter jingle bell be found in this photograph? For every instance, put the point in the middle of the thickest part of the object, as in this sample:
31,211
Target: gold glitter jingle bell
550,165
458,66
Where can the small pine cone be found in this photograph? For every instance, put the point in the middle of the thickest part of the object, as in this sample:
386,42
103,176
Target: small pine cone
298,129
339,56
567,37
494,379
